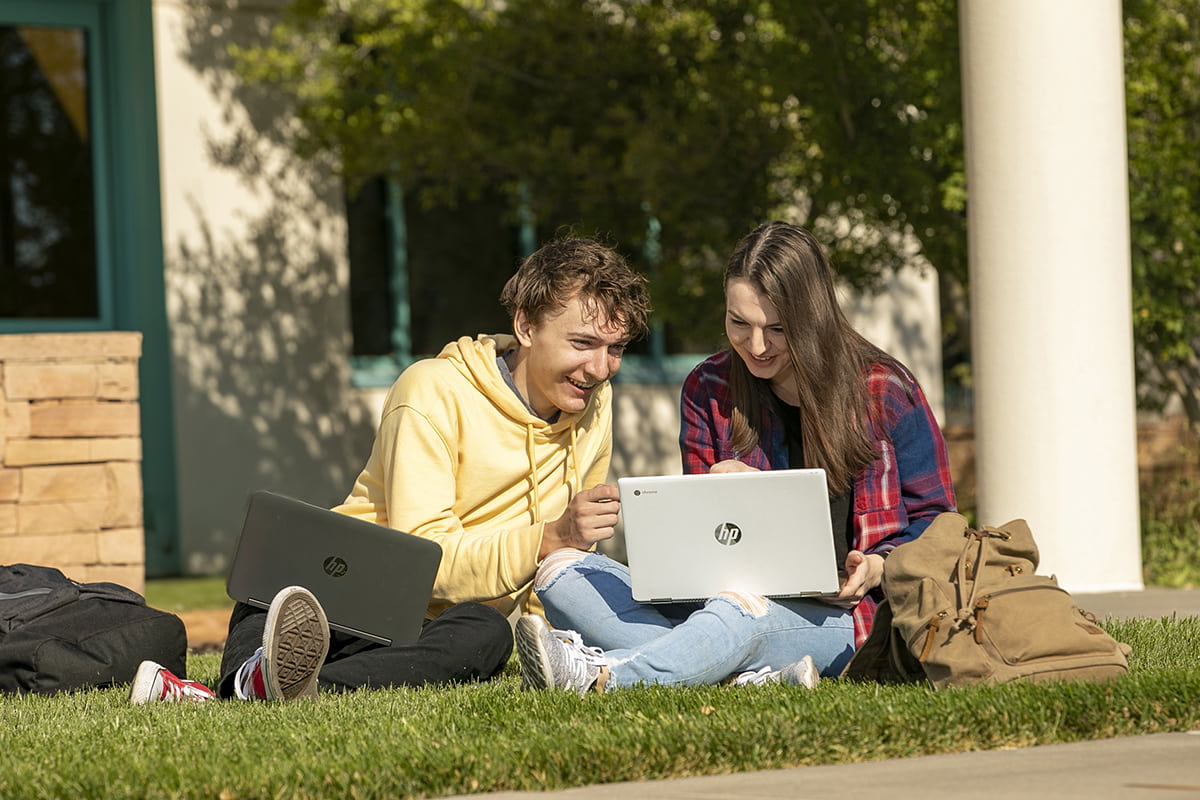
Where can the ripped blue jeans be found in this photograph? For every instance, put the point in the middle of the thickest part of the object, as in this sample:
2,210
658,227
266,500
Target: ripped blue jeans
686,643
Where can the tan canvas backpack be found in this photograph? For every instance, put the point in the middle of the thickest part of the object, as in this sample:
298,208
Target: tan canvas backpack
965,606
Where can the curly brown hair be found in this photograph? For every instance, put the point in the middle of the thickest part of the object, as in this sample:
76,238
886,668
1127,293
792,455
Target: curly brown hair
564,267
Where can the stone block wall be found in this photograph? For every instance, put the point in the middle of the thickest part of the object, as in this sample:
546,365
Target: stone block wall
70,455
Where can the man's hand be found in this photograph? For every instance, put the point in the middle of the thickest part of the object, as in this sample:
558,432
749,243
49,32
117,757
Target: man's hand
589,518
863,573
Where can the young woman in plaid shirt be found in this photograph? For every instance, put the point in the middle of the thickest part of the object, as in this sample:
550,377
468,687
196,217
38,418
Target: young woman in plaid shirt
798,387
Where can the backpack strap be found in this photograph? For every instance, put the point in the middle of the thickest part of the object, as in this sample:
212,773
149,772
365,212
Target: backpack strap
968,571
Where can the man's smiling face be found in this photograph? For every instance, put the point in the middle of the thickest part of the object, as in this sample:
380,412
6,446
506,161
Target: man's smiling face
567,355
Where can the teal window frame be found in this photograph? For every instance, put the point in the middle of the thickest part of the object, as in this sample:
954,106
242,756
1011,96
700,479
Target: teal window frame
88,17
124,118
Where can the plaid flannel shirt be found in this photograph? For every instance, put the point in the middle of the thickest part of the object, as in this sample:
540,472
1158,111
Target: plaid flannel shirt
896,495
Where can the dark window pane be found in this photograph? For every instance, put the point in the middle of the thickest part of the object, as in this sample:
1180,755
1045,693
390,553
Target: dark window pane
47,214
456,261
372,310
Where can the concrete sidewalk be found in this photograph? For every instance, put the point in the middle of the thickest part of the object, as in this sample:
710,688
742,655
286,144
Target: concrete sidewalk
1149,603
1165,765
1157,766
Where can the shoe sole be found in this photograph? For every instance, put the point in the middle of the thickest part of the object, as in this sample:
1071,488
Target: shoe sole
295,644
535,672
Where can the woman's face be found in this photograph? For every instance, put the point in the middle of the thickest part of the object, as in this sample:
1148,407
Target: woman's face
756,335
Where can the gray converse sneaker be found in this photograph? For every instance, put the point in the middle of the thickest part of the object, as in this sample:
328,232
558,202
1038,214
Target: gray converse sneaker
799,673
295,643
552,659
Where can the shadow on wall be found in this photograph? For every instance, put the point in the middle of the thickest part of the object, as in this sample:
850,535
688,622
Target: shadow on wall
645,430
257,301
645,439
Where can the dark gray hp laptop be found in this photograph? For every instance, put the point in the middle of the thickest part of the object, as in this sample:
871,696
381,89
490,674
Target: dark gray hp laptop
372,581
688,537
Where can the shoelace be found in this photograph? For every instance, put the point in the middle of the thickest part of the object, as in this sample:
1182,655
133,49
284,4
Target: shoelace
245,676
756,677
176,688
579,655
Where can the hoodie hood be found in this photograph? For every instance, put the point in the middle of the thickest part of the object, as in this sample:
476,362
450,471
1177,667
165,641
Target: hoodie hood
476,360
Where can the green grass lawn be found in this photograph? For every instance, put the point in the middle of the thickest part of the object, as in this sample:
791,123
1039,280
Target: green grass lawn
441,741
187,594
459,740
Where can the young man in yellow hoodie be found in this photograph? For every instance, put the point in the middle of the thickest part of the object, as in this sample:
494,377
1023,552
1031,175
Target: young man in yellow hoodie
498,450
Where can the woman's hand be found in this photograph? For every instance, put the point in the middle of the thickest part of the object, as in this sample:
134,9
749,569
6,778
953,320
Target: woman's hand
863,573
732,465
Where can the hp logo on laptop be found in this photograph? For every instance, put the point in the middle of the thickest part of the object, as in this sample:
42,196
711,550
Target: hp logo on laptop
728,533
335,567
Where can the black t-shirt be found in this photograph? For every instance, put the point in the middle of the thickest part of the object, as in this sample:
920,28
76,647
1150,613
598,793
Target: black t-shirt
839,507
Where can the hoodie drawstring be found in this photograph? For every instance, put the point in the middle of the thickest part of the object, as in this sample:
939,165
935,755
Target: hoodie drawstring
576,480
535,479
573,478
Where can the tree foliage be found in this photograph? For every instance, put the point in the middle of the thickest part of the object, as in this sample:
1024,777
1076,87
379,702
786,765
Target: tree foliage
674,126
1162,70
691,120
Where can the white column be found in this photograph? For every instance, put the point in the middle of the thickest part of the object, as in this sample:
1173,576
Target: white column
1048,227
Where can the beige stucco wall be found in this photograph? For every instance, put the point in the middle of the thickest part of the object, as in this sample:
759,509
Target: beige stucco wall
256,281
903,316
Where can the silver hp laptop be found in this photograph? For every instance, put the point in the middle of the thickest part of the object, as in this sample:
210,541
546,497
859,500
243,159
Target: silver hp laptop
688,537
372,581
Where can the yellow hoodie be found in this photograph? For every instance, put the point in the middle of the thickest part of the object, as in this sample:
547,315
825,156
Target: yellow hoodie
459,459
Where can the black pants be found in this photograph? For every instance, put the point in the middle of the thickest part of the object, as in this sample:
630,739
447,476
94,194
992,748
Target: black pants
469,642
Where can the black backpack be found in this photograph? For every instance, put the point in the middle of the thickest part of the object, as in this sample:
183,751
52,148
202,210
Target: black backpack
58,635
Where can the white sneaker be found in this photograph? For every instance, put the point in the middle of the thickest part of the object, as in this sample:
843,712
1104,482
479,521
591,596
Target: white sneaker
295,643
154,683
552,659
799,673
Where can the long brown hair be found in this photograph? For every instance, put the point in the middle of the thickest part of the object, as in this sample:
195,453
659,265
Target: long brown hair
829,358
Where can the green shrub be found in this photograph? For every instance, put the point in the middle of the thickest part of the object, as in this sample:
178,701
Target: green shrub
1171,531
